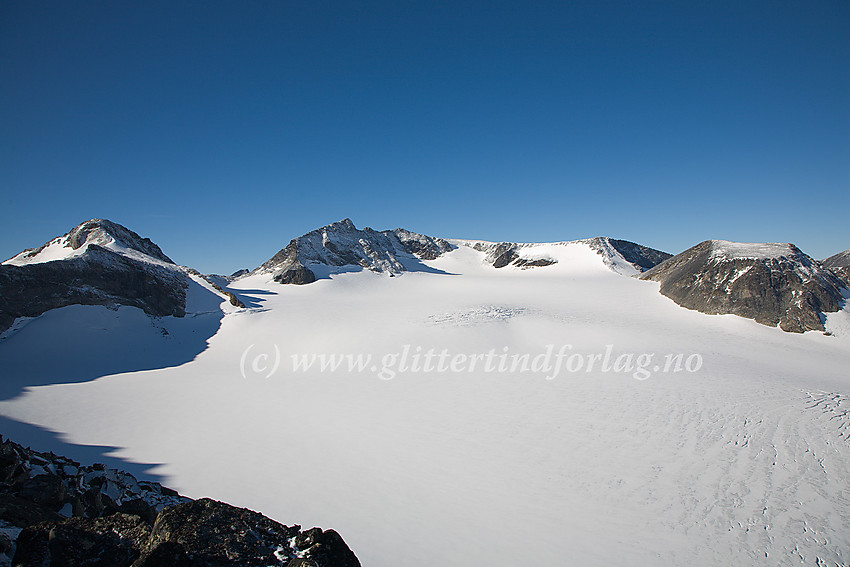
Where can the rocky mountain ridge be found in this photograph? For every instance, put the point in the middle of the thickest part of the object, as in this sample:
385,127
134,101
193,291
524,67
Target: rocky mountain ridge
103,263
340,246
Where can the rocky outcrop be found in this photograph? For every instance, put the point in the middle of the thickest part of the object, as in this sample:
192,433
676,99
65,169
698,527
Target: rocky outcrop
57,512
774,284
41,486
642,258
111,541
840,264
333,248
210,534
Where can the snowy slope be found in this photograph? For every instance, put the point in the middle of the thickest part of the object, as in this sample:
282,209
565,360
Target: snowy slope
743,461
526,255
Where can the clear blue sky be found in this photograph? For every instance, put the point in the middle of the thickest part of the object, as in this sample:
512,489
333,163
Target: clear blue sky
221,130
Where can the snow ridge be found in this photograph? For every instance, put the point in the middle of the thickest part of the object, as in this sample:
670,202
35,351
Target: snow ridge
620,256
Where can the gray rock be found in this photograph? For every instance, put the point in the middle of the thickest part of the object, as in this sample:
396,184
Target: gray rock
46,490
22,513
159,529
840,265
113,541
214,534
772,284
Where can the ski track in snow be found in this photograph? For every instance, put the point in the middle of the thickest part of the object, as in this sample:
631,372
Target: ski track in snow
746,462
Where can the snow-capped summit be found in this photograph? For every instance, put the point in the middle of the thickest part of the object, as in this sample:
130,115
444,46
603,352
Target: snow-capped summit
775,284
96,232
341,246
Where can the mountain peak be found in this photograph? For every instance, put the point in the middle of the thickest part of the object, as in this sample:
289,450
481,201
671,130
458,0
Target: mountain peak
344,225
101,233
773,283
839,264
341,247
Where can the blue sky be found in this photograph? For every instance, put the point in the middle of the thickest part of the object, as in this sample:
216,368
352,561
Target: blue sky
221,130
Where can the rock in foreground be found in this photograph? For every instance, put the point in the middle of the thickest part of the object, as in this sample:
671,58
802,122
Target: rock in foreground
117,521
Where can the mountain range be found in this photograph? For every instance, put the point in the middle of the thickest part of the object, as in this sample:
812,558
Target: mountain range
101,262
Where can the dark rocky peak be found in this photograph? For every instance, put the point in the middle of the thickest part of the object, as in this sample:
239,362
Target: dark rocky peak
640,257
772,283
840,264
840,260
340,247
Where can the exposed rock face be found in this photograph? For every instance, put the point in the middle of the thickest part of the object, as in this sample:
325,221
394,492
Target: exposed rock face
840,264
774,284
98,277
96,263
333,247
102,231
641,257
121,522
